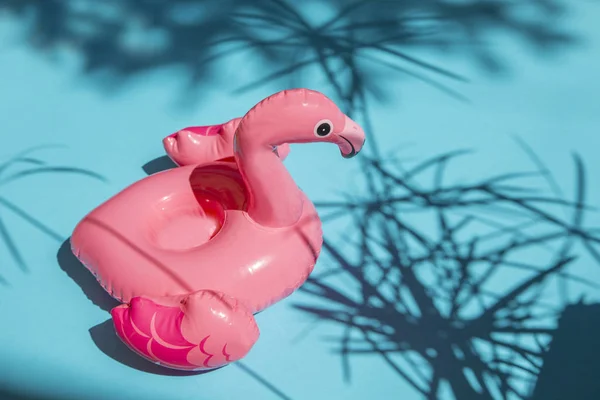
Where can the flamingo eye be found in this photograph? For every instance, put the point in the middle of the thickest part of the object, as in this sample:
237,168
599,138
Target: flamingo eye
323,128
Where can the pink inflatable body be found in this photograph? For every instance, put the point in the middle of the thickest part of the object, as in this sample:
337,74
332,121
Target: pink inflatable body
202,144
194,252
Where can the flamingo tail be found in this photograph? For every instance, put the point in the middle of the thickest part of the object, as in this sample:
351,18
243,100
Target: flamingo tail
200,331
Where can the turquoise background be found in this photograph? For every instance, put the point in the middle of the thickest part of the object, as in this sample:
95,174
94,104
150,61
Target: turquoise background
550,101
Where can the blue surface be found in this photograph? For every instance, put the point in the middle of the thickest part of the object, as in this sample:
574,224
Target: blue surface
45,345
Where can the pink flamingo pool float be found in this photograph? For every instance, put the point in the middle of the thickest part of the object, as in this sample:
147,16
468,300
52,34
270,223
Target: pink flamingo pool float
195,251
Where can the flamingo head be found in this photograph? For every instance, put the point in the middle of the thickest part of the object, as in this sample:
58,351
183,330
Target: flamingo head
300,116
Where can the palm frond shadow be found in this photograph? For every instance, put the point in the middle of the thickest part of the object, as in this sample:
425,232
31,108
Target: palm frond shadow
568,371
424,277
356,45
21,166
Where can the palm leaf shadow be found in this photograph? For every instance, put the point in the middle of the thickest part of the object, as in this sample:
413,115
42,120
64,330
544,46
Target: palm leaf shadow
425,301
22,166
571,356
355,48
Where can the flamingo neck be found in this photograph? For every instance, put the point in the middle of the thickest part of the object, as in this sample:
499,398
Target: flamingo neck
274,198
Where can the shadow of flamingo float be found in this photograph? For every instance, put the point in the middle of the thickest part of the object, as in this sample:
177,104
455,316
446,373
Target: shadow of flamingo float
194,252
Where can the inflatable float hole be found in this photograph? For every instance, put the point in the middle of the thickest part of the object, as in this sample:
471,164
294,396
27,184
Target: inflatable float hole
184,223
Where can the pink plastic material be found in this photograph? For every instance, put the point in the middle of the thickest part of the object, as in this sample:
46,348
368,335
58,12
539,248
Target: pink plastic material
194,252
202,144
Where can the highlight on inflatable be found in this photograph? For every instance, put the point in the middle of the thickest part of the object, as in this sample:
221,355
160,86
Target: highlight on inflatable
195,251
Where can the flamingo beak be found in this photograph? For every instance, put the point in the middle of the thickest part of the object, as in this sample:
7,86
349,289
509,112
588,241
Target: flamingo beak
352,139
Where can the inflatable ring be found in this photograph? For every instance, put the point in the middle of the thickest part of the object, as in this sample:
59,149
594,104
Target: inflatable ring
195,251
